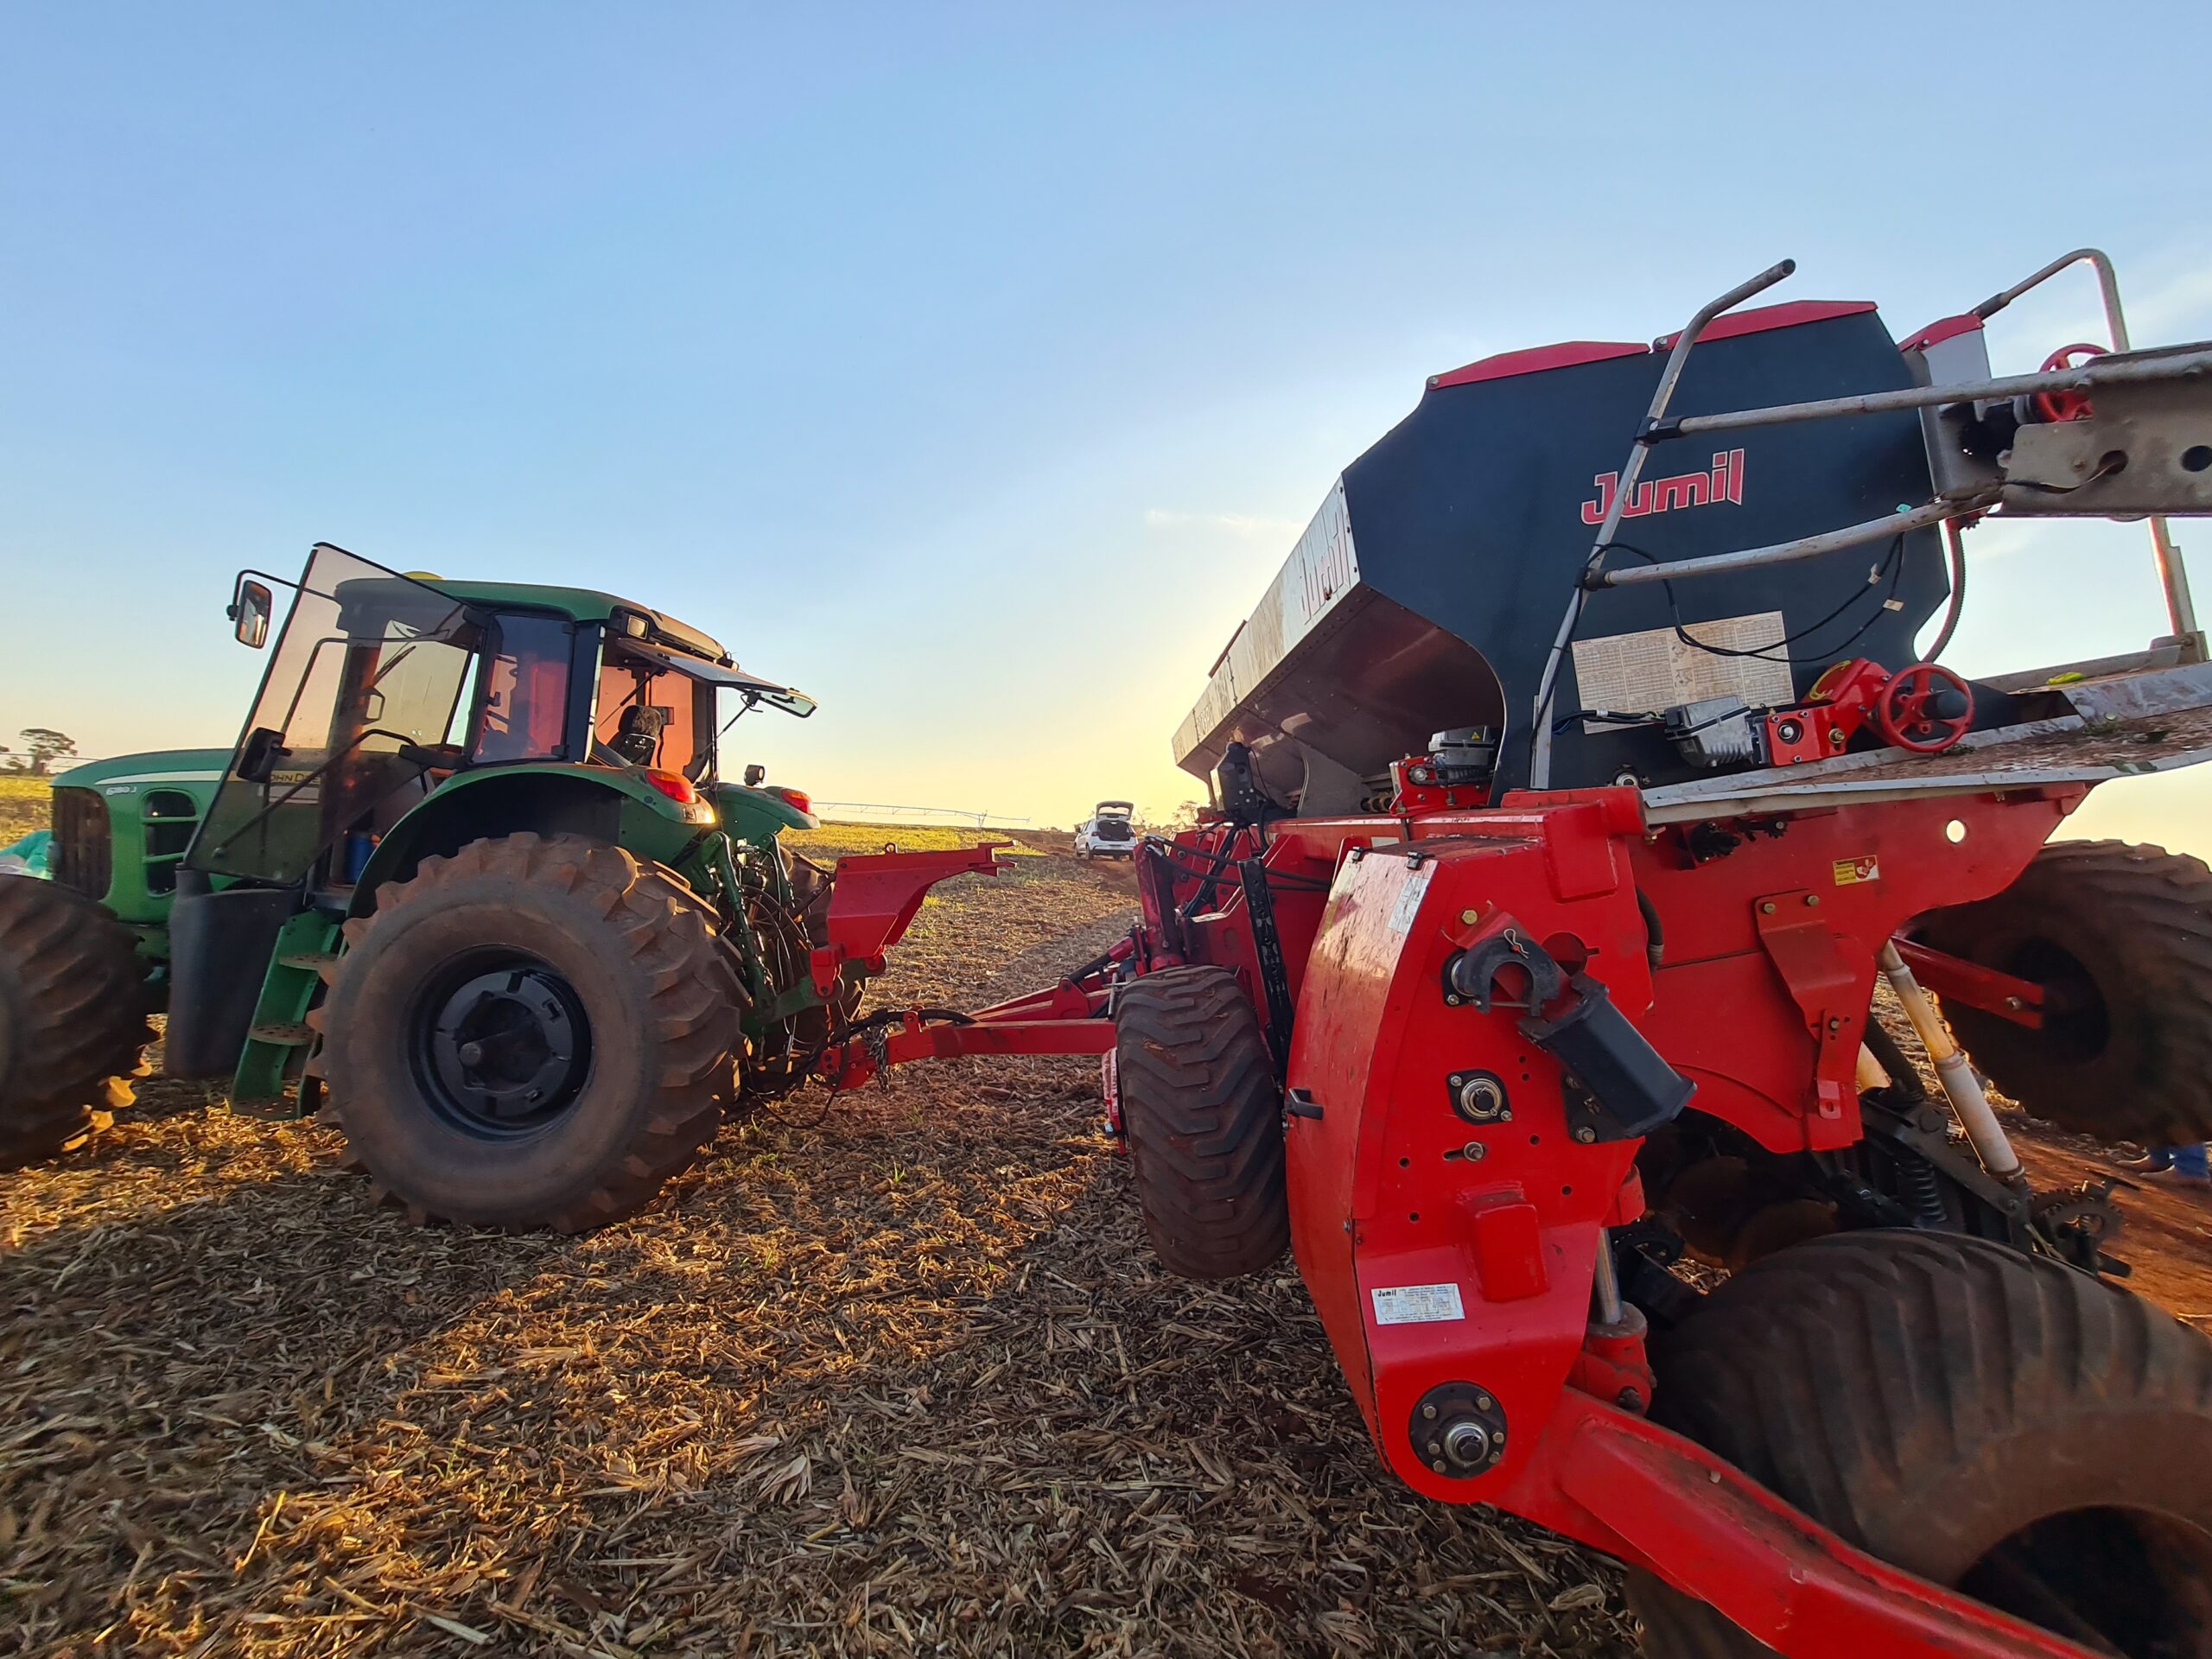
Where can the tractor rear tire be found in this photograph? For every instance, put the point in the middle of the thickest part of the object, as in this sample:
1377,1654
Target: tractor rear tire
603,1015
2129,930
1988,1420
73,1019
1203,1117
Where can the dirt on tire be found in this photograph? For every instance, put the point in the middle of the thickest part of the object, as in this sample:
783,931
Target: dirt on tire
2127,931
655,994
1203,1113
1985,1418
73,1021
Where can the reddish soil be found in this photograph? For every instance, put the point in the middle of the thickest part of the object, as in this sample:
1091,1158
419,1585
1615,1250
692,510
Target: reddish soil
2166,1232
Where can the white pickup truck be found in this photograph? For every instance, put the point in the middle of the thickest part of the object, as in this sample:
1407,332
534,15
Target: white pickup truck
1107,833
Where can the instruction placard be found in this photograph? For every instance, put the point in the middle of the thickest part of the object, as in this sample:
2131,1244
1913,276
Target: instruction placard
1417,1304
1642,673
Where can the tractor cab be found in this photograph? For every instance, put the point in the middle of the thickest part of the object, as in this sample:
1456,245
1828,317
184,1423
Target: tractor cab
386,689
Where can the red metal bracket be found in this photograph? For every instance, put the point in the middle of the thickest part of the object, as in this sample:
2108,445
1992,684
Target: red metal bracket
995,1031
1828,991
1715,1533
875,898
1957,980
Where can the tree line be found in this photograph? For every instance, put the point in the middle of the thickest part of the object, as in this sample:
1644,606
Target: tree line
43,746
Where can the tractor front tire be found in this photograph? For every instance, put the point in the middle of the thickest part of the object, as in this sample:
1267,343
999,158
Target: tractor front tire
1990,1421
2127,932
535,1032
1203,1118
73,1019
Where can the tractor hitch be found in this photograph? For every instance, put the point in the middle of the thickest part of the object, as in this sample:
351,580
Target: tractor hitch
876,898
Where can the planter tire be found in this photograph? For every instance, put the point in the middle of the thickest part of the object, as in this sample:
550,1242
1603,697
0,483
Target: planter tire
1991,1421
2127,932
1203,1117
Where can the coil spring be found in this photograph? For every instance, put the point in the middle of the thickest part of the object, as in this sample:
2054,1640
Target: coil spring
1921,1189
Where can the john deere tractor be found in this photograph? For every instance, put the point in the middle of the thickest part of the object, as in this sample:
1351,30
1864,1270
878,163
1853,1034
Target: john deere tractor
471,878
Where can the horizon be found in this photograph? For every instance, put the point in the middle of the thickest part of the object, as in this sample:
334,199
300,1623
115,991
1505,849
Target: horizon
976,371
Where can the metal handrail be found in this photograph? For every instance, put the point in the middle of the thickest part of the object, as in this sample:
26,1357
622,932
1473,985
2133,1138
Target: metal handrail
2173,574
2123,367
2171,363
1539,743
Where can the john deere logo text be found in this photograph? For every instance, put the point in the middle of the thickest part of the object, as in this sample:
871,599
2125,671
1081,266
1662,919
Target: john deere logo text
1724,483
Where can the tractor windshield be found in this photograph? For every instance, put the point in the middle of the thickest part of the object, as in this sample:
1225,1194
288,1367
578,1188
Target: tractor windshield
352,716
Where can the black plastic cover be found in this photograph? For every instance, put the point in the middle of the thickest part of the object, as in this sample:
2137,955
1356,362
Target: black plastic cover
220,945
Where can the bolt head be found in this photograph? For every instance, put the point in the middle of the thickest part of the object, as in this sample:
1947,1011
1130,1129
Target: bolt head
1438,1465
1468,1442
1471,917
1586,1135
1812,900
1482,1402
1474,1152
1766,907
1428,1412
1452,999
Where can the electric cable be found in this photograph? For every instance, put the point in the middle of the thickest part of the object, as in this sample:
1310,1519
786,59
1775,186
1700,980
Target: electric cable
1892,564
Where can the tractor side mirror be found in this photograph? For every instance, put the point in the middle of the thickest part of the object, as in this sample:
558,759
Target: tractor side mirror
754,774
250,614
260,754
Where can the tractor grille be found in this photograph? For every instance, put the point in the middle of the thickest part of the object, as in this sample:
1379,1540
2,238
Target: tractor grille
83,856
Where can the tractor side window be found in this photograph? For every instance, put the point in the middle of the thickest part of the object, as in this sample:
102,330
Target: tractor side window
526,691
651,718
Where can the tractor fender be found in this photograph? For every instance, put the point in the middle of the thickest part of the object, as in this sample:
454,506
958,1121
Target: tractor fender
756,816
604,802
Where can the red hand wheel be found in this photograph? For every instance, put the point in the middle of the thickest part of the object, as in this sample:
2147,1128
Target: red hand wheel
2067,405
1924,709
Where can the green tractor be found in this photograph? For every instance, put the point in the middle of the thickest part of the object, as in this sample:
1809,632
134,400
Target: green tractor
471,877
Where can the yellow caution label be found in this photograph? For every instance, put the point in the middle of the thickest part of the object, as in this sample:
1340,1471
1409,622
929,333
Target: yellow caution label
1849,871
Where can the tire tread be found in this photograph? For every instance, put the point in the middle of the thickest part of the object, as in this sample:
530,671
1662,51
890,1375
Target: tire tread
73,992
1203,1117
692,996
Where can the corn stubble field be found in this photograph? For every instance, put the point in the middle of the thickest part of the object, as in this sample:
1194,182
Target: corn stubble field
893,1377
23,807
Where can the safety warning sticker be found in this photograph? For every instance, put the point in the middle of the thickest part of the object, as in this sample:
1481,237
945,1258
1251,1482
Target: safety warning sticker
1417,1304
1866,867
1642,673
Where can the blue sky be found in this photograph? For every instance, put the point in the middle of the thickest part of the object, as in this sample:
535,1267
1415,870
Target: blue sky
972,367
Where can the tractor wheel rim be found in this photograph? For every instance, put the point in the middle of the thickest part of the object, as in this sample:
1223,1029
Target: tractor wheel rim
499,1045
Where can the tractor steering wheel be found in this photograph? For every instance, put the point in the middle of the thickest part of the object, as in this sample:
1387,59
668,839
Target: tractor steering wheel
1925,708
2067,405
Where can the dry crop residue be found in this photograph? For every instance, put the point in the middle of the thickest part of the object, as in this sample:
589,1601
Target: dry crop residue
895,1377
